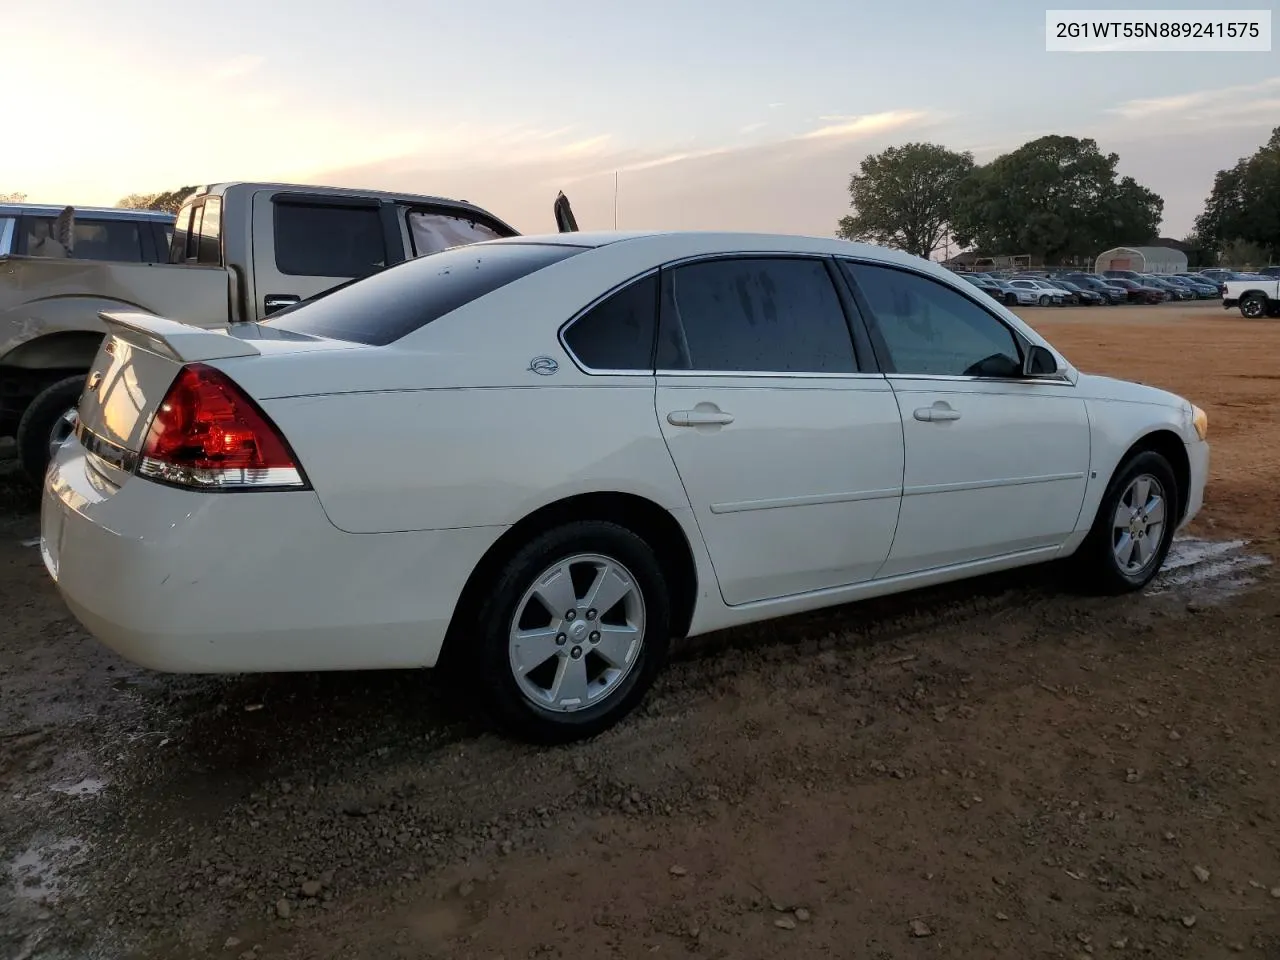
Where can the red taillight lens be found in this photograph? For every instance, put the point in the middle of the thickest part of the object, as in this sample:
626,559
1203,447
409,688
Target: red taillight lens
207,433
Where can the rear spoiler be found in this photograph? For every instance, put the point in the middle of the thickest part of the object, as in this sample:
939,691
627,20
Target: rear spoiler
180,342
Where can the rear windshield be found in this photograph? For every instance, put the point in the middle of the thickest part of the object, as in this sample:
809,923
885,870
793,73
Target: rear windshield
386,306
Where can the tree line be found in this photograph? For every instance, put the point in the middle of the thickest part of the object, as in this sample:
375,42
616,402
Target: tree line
1056,198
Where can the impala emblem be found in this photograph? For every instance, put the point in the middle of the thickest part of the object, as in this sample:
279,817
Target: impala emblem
95,380
543,366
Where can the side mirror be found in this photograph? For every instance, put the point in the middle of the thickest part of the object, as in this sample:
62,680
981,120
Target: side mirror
1039,362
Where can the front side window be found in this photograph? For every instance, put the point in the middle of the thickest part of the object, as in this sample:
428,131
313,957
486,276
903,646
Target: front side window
435,231
617,334
930,329
754,314
328,240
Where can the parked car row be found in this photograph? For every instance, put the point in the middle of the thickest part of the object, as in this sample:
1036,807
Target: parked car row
1060,288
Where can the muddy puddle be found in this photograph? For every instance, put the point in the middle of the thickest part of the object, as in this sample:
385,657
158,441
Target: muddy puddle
1208,570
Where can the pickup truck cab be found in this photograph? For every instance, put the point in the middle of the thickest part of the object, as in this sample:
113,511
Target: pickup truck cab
237,252
1256,296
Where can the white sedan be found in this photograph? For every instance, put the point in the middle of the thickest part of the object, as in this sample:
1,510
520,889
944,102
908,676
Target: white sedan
539,459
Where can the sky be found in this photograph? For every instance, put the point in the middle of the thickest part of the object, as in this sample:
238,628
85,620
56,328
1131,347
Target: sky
713,114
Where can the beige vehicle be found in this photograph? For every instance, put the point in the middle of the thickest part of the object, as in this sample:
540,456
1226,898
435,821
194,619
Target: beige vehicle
239,252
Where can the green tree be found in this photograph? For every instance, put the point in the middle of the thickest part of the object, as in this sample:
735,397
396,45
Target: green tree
170,201
902,197
1244,205
1055,198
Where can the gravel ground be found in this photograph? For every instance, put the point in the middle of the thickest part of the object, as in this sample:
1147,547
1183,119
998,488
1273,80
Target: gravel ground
992,769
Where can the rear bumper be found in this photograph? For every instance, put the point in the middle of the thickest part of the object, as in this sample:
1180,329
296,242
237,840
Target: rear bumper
196,582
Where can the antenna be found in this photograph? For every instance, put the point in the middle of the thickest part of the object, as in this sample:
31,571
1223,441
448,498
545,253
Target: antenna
615,199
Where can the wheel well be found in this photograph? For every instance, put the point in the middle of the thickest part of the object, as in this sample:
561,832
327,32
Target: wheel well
71,350
642,517
1170,446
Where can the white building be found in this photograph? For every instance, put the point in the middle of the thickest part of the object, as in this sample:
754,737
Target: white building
1142,260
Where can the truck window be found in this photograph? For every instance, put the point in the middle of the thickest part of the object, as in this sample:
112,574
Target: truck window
115,240
210,243
6,234
178,237
193,238
433,231
328,240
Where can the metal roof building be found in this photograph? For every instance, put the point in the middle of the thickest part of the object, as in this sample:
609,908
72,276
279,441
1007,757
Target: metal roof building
1142,260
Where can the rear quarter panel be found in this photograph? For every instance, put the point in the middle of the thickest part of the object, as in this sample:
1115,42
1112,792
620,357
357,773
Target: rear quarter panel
41,296
459,457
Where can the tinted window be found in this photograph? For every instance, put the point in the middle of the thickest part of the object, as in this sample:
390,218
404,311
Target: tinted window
210,248
434,231
754,314
385,307
320,240
193,238
931,329
116,240
618,333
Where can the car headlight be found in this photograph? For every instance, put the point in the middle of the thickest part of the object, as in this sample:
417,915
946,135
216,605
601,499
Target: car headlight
1200,420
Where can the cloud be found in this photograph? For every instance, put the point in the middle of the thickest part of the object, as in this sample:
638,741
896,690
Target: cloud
796,183
752,128
870,124
1223,106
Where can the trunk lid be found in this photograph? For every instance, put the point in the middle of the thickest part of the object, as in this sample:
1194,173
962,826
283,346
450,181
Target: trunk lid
134,368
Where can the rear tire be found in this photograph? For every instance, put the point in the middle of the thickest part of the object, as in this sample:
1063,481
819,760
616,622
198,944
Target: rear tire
45,414
529,703
1253,306
1100,559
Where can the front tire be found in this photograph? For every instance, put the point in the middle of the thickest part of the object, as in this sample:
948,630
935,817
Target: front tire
1045,300
48,420
1133,528
574,634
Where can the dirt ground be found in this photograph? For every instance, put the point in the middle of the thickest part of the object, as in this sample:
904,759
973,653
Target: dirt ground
998,768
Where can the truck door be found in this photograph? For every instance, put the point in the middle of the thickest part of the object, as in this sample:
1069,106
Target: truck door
304,244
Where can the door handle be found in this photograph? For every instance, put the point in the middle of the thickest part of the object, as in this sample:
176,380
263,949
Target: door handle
936,413
698,418
277,301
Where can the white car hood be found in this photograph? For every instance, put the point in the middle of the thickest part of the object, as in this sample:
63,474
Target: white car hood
1097,387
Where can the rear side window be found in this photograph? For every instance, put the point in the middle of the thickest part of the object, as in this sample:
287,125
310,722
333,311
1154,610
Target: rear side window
209,248
434,231
383,308
328,240
754,314
115,240
617,334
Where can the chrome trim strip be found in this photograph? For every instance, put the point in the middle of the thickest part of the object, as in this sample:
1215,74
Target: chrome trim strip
105,450
766,375
928,488
958,378
806,501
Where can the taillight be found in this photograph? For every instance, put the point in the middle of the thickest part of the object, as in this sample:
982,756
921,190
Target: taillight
208,434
